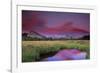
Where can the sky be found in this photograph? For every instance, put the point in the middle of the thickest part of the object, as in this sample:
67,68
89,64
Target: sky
55,23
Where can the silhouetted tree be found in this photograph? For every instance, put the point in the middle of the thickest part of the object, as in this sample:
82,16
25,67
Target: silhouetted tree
24,34
87,37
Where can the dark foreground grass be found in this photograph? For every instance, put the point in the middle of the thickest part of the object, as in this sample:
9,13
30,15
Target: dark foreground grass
37,50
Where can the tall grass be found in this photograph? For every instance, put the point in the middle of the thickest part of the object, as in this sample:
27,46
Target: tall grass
32,50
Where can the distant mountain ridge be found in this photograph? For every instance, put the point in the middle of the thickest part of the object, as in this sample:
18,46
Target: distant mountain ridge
70,35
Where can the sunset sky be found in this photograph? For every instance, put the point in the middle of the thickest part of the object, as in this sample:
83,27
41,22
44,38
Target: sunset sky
55,23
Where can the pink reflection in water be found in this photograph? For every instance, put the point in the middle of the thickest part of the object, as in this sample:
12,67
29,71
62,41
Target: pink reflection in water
72,54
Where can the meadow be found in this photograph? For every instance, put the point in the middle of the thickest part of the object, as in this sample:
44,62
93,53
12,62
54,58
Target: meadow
33,51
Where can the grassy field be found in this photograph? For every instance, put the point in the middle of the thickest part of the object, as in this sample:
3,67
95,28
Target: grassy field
37,50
